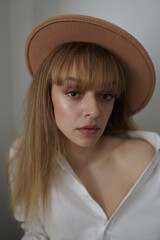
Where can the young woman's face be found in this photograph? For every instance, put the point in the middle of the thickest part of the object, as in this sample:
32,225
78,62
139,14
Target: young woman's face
81,115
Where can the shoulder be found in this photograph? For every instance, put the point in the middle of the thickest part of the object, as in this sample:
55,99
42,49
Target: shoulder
150,137
139,149
128,144
129,151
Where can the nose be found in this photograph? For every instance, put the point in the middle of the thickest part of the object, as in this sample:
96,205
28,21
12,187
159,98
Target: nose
90,105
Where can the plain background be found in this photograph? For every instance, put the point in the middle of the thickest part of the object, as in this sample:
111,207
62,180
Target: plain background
17,17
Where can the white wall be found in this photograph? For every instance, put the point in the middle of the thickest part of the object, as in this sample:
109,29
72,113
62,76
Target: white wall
16,18
139,17
5,114
21,21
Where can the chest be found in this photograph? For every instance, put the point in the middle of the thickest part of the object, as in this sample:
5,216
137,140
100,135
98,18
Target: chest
108,184
81,218
107,188
111,177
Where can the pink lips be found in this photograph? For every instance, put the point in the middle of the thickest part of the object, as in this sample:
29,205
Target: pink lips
89,129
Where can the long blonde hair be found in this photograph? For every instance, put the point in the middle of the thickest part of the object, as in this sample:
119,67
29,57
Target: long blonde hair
35,159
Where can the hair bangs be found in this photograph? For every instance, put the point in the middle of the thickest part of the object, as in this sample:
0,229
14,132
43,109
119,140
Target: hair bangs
91,66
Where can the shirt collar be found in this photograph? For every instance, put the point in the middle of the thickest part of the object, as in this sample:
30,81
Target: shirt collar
151,137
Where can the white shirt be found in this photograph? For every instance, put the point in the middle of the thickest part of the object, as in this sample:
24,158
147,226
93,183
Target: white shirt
75,215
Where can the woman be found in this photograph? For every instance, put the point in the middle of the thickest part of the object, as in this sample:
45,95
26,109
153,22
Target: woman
80,169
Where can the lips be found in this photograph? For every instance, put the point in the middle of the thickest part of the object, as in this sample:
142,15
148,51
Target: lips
89,129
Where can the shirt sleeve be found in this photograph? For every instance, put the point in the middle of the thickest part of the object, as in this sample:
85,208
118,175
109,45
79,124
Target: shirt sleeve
33,228
34,231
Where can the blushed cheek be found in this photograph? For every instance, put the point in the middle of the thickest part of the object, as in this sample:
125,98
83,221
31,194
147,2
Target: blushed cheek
59,114
64,115
59,107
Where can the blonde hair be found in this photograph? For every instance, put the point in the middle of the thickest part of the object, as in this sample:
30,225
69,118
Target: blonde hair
41,141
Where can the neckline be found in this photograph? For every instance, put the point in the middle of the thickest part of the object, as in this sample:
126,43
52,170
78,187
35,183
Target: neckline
139,182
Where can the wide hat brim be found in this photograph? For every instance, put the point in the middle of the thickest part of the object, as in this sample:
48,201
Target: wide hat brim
137,65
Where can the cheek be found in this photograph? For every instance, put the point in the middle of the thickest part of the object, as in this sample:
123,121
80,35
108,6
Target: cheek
60,110
63,112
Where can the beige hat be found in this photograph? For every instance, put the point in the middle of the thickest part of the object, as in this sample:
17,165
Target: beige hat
137,65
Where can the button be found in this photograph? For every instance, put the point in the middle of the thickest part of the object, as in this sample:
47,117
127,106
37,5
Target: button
87,196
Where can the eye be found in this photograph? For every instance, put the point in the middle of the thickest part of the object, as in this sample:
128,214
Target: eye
106,96
73,93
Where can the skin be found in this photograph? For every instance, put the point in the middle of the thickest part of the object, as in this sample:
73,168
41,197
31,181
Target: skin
110,166
82,116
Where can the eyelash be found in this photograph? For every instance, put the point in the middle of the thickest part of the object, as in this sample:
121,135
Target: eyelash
77,94
73,93
105,96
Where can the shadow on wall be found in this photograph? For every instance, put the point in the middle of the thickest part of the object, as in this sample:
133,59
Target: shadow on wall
10,229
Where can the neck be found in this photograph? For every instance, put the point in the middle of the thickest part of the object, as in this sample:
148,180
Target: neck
79,157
